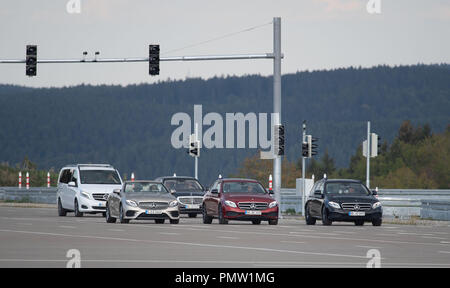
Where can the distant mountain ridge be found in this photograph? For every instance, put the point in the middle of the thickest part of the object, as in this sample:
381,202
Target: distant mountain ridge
129,127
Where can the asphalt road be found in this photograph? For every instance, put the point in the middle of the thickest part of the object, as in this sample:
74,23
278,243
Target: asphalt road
37,237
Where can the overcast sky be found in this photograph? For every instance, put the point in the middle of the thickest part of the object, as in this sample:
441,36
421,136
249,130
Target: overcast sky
316,34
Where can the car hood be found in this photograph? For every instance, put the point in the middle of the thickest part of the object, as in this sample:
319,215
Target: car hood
99,188
188,193
163,197
245,197
352,199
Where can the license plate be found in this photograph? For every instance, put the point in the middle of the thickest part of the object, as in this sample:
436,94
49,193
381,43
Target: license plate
153,212
356,213
192,206
100,204
252,212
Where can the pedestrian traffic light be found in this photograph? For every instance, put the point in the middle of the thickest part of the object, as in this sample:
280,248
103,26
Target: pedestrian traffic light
31,60
312,148
153,59
305,149
279,136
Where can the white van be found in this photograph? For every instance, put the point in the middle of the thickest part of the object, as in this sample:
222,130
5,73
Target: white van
84,188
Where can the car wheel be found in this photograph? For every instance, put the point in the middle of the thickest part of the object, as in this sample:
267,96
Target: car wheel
377,222
359,222
308,218
61,210
192,215
109,219
222,220
325,220
77,212
273,222
174,221
121,216
104,214
159,221
206,219
256,222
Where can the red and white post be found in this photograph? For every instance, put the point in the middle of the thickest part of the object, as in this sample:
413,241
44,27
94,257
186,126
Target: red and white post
132,177
28,180
48,179
270,182
20,179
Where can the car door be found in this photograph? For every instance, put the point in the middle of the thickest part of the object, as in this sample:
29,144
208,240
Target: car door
316,203
62,188
209,200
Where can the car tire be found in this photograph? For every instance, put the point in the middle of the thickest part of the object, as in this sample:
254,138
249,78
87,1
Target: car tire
174,221
109,218
103,214
377,222
192,215
256,222
222,220
206,219
325,220
273,222
159,221
77,212
121,218
61,211
359,223
308,218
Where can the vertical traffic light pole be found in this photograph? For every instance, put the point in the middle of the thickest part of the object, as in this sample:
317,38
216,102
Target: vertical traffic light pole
368,156
196,157
277,102
303,169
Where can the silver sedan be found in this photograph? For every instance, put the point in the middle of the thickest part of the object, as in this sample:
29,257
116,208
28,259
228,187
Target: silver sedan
142,200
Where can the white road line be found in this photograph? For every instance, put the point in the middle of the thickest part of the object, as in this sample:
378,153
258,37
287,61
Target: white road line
68,227
116,230
445,242
292,242
169,233
227,237
368,247
26,224
433,237
261,249
444,252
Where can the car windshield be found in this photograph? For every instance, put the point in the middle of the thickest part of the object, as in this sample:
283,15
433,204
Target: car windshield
190,185
343,188
145,187
243,187
99,177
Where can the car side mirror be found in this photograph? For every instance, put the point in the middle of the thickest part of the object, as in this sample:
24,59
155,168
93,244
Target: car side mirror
215,192
318,193
374,192
271,192
172,191
116,191
72,184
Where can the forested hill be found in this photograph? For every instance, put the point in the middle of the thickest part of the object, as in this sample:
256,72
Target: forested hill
129,127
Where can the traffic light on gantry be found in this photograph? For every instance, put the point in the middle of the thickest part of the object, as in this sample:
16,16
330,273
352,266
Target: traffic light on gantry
312,147
31,60
153,60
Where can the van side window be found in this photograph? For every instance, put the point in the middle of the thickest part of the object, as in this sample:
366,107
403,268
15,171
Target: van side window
74,177
64,176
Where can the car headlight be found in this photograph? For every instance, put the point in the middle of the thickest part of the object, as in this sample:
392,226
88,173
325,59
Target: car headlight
376,205
273,204
334,205
173,203
131,203
230,203
85,195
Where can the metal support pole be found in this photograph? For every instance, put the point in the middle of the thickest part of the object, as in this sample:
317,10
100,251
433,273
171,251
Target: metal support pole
303,170
368,156
198,151
277,101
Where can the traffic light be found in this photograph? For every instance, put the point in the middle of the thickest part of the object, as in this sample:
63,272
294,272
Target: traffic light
153,59
305,149
312,148
279,136
194,146
31,60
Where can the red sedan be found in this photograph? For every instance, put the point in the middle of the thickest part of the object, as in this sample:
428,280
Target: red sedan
239,199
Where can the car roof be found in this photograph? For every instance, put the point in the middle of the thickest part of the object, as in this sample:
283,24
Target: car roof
239,179
176,177
141,181
342,180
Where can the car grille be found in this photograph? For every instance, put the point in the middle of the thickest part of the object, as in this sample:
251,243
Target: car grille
190,200
351,206
100,196
153,205
253,205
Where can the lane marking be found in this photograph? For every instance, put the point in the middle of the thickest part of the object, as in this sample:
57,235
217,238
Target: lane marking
433,237
444,252
68,227
227,237
293,242
261,249
368,247
116,230
169,233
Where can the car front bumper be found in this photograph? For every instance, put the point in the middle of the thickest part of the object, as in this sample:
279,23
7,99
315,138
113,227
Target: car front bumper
136,213
231,213
91,206
344,215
